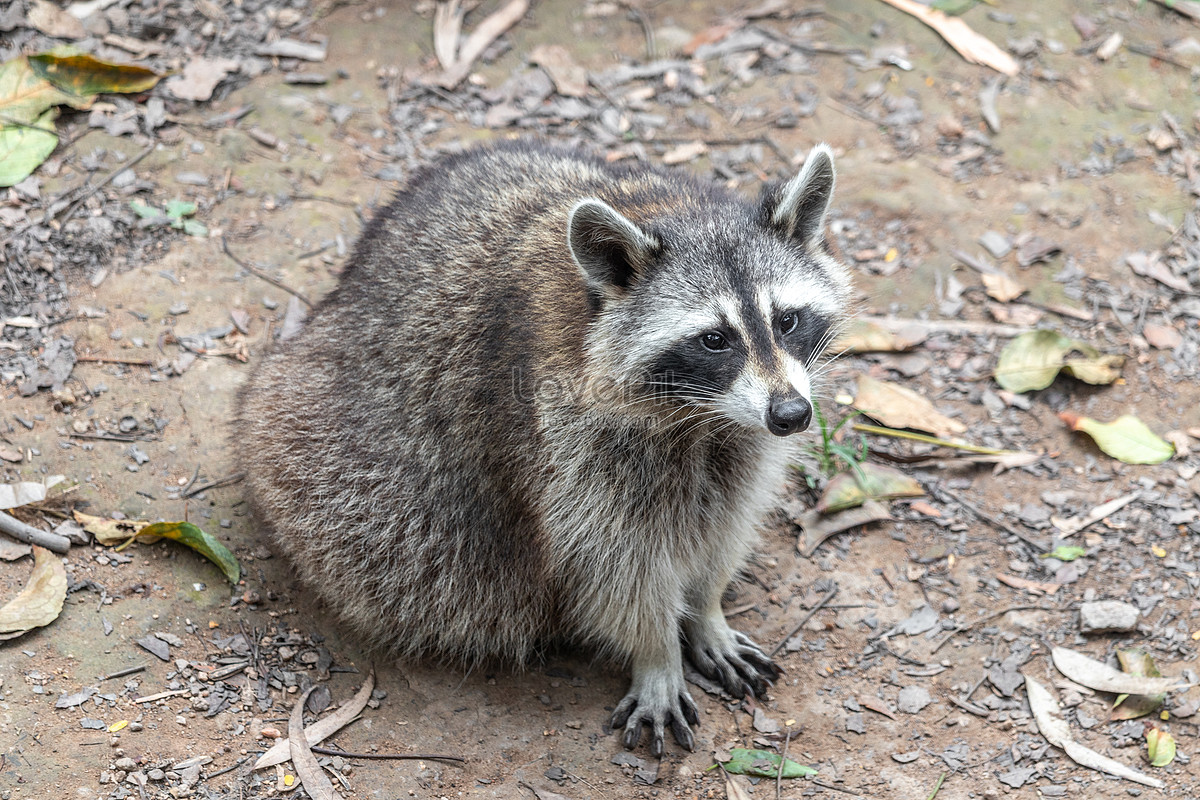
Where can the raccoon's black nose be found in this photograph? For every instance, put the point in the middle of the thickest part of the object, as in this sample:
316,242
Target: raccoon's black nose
788,414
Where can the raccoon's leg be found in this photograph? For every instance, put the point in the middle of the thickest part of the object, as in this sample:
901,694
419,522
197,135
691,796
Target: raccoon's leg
658,696
721,653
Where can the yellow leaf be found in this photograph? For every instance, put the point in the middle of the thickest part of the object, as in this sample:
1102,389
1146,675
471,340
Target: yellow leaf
1158,551
116,726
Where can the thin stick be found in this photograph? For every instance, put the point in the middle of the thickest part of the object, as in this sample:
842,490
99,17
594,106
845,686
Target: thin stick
938,786
330,751
130,163
820,604
132,362
989,519
260,274
121,673
31,535
217,484
920,437
230,768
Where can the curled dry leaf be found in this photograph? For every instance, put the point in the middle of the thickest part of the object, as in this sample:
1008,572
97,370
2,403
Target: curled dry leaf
570,79
109,532
901,407
1137,662
1100,676
1126,438
14,495
322,728
1046,713
1032,360
41,601
313,778
870,482
817,527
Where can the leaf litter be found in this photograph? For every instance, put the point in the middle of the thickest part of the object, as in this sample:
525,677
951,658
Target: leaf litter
41,601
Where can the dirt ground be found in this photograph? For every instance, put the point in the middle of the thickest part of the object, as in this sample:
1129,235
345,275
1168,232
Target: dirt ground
901,680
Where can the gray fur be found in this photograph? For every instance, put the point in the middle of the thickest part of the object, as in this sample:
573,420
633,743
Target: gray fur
468,452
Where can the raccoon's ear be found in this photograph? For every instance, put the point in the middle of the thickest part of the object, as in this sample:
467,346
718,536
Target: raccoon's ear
607,246
800,207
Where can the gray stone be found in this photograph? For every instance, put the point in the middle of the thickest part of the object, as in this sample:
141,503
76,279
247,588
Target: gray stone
912,699
1107,615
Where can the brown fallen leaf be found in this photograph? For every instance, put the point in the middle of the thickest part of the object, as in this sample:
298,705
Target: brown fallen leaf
921,507
313,778
1001,287
322,728
570,79
876,705
41,601
817,527
1100,676
900,407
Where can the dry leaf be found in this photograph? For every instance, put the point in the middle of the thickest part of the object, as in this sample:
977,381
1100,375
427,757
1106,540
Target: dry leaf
1046,713
876,705
41,601
974,47
900,407
1069,527
109,532
817,527
867,336
322,728
484,34
1100,676
314,779
1150,265
13,495
1001,287
447,26
710,36
684,153
569,78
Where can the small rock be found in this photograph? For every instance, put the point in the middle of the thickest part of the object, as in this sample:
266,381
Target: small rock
912,699
1107,615
126,763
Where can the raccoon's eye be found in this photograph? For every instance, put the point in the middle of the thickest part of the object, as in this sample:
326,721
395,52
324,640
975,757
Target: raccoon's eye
788,322
714,341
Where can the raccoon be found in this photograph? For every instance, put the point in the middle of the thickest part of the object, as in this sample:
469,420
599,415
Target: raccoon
549,399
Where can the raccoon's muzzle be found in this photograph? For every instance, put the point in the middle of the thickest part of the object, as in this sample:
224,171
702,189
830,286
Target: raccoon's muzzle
788,414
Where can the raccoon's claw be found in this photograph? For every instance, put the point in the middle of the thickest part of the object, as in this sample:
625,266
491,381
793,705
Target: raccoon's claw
637,710
740,666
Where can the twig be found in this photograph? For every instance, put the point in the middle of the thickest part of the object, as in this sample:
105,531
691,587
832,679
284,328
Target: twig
128,164
330,751
639,16
989,519
217,484
121,673
260,274
920,437
31,535
820,604
230,768
132,362
782,761
955,631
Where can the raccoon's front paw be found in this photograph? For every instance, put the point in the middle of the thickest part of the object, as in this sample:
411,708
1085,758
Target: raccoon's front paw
734,661
658,700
